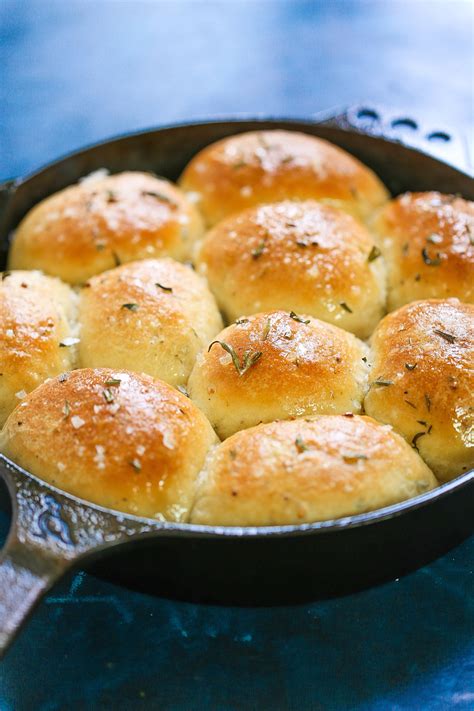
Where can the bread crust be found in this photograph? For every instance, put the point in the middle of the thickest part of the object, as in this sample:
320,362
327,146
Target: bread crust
422,381
258,167
90,227
116,438
307,470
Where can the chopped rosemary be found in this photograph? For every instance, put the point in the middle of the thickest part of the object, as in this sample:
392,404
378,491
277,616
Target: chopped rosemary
165,288
429,260
241,320
374,254
380,382
427,402
410,403
5,275
108,395
300,445
346,307
405,249
240,164
130,307
135,463
303,243
258,251
112,382
414,442
158,196
266,330
352,457
410,366
447,336
248,359
182,390
63,377
116,259
111,196
66,409
295,317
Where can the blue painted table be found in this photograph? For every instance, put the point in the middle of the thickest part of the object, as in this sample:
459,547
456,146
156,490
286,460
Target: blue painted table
72,72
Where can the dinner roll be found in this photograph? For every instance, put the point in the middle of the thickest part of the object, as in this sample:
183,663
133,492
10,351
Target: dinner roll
422,381
118,439
268,166
104,221
278,365
307,470
428,242
300,256
37,333
152,316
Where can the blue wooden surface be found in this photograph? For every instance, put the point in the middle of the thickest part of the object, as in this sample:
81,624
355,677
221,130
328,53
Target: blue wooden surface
72,72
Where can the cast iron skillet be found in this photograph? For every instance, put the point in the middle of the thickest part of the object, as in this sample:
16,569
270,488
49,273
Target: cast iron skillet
52,531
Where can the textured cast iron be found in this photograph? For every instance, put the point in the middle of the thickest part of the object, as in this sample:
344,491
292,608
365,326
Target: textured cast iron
51,531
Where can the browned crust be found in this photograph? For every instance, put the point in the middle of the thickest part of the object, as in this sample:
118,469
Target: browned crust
268,166
116,438
428,241
425,352
90,227
308,470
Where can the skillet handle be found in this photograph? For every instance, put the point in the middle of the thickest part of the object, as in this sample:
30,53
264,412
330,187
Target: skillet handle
24,580
402,127
50,533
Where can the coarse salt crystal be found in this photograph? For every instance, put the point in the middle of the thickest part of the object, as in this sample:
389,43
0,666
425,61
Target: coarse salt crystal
77,422
20,394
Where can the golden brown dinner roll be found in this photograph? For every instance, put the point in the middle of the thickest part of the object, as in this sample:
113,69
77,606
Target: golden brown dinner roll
118,439
38,333
422,381
152,316
301,256
428,242
101,222
268,166
307,470
278,365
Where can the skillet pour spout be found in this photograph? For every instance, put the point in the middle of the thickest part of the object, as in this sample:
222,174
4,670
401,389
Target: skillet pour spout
51,531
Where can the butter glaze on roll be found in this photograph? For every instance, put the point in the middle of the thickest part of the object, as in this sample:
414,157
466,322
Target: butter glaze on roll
104,221
422,381
37,333
428,242
307,470
118,439
268,166
300,256
152,316
284,366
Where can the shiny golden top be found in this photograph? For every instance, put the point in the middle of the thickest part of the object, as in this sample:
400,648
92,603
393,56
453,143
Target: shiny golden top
300,256
104,221
422,380
278,365
116,438
37,333
152,316
307,470
428,242
268,166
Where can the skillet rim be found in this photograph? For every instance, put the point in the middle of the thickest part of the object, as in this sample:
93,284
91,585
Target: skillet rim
332,119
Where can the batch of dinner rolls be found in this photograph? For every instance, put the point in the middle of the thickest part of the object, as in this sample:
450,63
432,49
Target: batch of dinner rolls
274,340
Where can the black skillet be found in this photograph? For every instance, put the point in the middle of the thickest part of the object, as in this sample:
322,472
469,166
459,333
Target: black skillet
52,531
